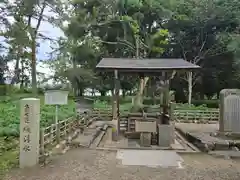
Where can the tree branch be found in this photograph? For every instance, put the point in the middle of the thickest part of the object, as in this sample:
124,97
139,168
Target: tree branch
40,18
183,50
194,78
119,42
199,57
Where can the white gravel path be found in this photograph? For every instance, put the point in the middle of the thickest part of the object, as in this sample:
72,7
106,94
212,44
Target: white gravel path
84,164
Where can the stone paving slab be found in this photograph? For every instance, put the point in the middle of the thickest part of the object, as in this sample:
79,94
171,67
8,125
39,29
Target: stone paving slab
202,135
226,154
208,139
192,127
150,158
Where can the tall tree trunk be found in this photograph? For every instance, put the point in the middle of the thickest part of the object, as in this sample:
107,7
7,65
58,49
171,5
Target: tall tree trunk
139,97
81,91
130,92
143,82
103,93
33,66
123,93
112,92
190,86
75,81
34,35
17,70
22,76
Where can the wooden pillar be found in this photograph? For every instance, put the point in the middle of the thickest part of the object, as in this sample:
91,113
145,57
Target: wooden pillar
161,101
113,105
172,107
116,99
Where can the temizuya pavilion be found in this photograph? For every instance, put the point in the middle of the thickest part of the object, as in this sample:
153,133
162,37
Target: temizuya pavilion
164,69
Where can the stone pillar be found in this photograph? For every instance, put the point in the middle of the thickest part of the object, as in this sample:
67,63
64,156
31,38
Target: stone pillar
229,111
165,135
29,132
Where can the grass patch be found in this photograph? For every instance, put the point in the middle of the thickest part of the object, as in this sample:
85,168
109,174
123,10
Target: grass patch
105,105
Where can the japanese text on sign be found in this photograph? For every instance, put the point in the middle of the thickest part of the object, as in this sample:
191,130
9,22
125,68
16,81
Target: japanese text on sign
26,113
26,129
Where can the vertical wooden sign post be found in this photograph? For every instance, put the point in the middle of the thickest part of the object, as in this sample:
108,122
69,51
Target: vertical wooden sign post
29,132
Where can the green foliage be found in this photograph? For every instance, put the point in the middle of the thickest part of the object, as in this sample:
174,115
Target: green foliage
9,152
9,119
101,104
133,3
98,104
3,68
160,40
191,107
105,101
207,103
134,24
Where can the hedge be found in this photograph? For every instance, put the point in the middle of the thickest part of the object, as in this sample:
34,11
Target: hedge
150,101
209,103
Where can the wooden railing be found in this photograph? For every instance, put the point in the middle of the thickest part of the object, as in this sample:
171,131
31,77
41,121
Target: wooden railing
52,135
196,115
180,115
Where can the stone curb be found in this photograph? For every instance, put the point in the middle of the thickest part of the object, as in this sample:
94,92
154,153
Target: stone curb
226,156
117,149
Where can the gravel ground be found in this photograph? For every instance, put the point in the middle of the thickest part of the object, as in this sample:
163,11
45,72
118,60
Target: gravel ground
84,164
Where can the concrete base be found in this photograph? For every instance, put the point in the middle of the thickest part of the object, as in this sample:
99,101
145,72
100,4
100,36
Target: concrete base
165,135
150,158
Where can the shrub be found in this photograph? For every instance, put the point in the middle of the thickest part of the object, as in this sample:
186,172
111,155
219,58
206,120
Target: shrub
209,103
150,101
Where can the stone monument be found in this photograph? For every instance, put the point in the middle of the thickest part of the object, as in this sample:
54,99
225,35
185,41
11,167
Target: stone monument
29,132
166,135
229,111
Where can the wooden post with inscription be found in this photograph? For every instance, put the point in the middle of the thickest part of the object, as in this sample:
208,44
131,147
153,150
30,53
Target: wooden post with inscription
29,132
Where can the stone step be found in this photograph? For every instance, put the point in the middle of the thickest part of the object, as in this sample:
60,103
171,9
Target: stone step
98,139
89,135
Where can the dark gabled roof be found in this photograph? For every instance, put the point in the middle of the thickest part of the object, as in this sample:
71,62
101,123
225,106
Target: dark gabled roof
144,65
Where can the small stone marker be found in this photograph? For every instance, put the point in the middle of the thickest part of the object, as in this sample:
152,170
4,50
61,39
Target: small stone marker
166,135
230,111
29,132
